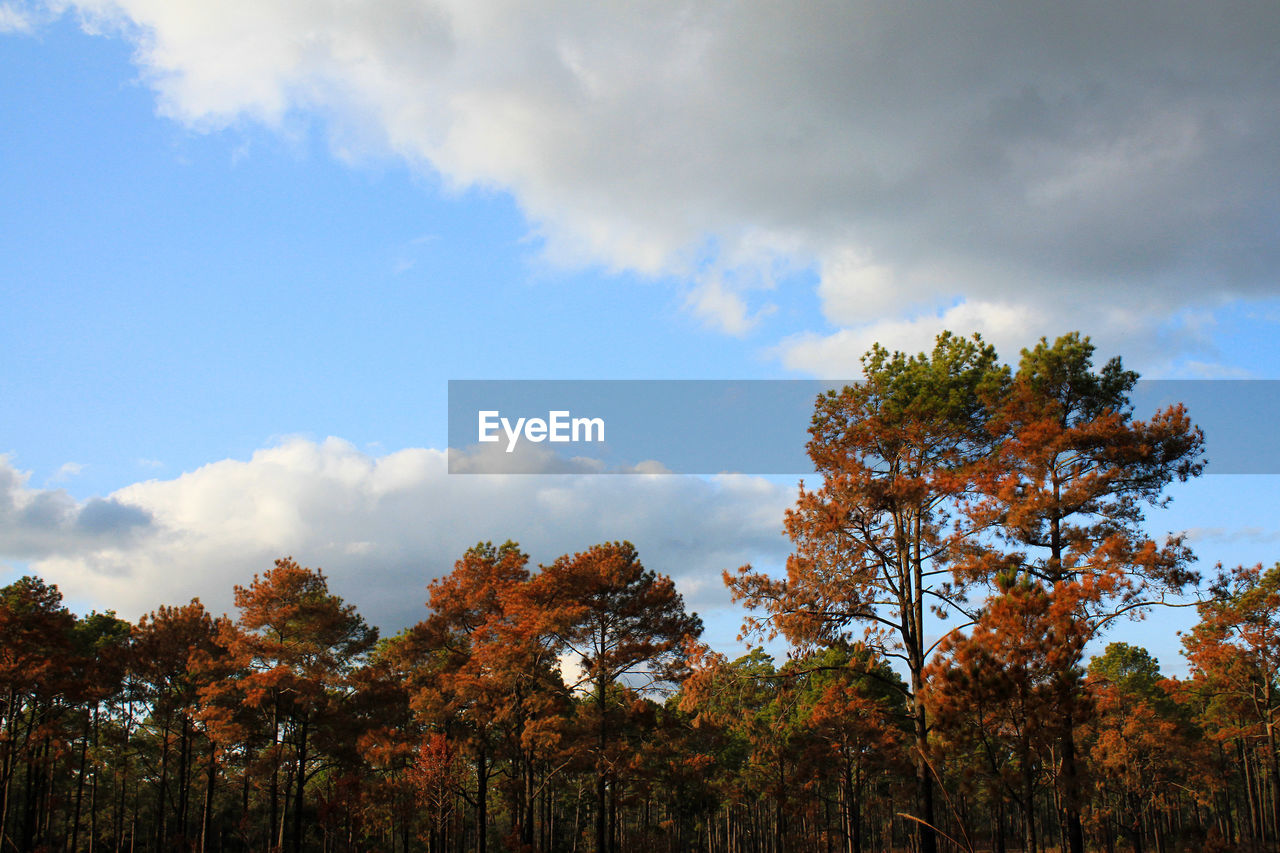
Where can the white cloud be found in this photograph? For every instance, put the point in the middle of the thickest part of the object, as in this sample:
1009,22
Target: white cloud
1232,535
382,526
1208,370
719,307
853,289
67,471
996,154
1119,323
836,356
15,20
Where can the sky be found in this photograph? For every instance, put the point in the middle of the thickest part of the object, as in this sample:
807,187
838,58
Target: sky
245,245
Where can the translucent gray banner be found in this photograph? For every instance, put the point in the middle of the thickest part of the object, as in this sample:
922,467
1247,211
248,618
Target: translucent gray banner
757,426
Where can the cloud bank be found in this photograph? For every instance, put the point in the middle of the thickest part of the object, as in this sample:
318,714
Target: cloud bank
47,522
380,526
987,166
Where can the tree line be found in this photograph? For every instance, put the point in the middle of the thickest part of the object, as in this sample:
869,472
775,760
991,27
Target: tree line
974,528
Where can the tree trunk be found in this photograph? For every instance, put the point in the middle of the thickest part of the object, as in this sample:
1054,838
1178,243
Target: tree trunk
1026,771
924,778
124,792
1255,820
613,813
928,842
93,789
482,815
526,833
1071,787
300,784
284,813
275,773
161,811
206,816
244,799
184,782
998,837
29,794
8,766
75,818
1273,764
602,741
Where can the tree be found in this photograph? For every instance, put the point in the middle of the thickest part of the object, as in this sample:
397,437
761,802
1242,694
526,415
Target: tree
299,642
1073,473
997,689
215,673
876,542
758,711
1143,748
1234,652
164,645
620,623
785,745
35,661
487,667
102,654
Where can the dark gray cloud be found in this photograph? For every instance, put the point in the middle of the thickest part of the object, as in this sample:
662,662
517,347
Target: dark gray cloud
107,516
39,523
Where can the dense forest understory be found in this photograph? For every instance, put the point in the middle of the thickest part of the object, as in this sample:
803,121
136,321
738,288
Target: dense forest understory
976,530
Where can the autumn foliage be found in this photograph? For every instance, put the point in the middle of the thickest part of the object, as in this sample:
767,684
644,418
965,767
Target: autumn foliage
975,533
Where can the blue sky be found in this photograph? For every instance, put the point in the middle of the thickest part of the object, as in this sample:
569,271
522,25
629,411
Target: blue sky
244,247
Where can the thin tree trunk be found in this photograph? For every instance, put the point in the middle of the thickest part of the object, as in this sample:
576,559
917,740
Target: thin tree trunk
284,812
1255,818
275,773
29,785
482,805
577,819
247,825
300,784
998,839
1070,775
84,755
602,742
184,781
924,778
45,813
1028,796
8,767
124,792
93,786
206,815
161,811
613,813
526,834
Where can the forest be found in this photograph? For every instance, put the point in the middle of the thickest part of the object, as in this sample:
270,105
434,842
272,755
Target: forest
948,678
